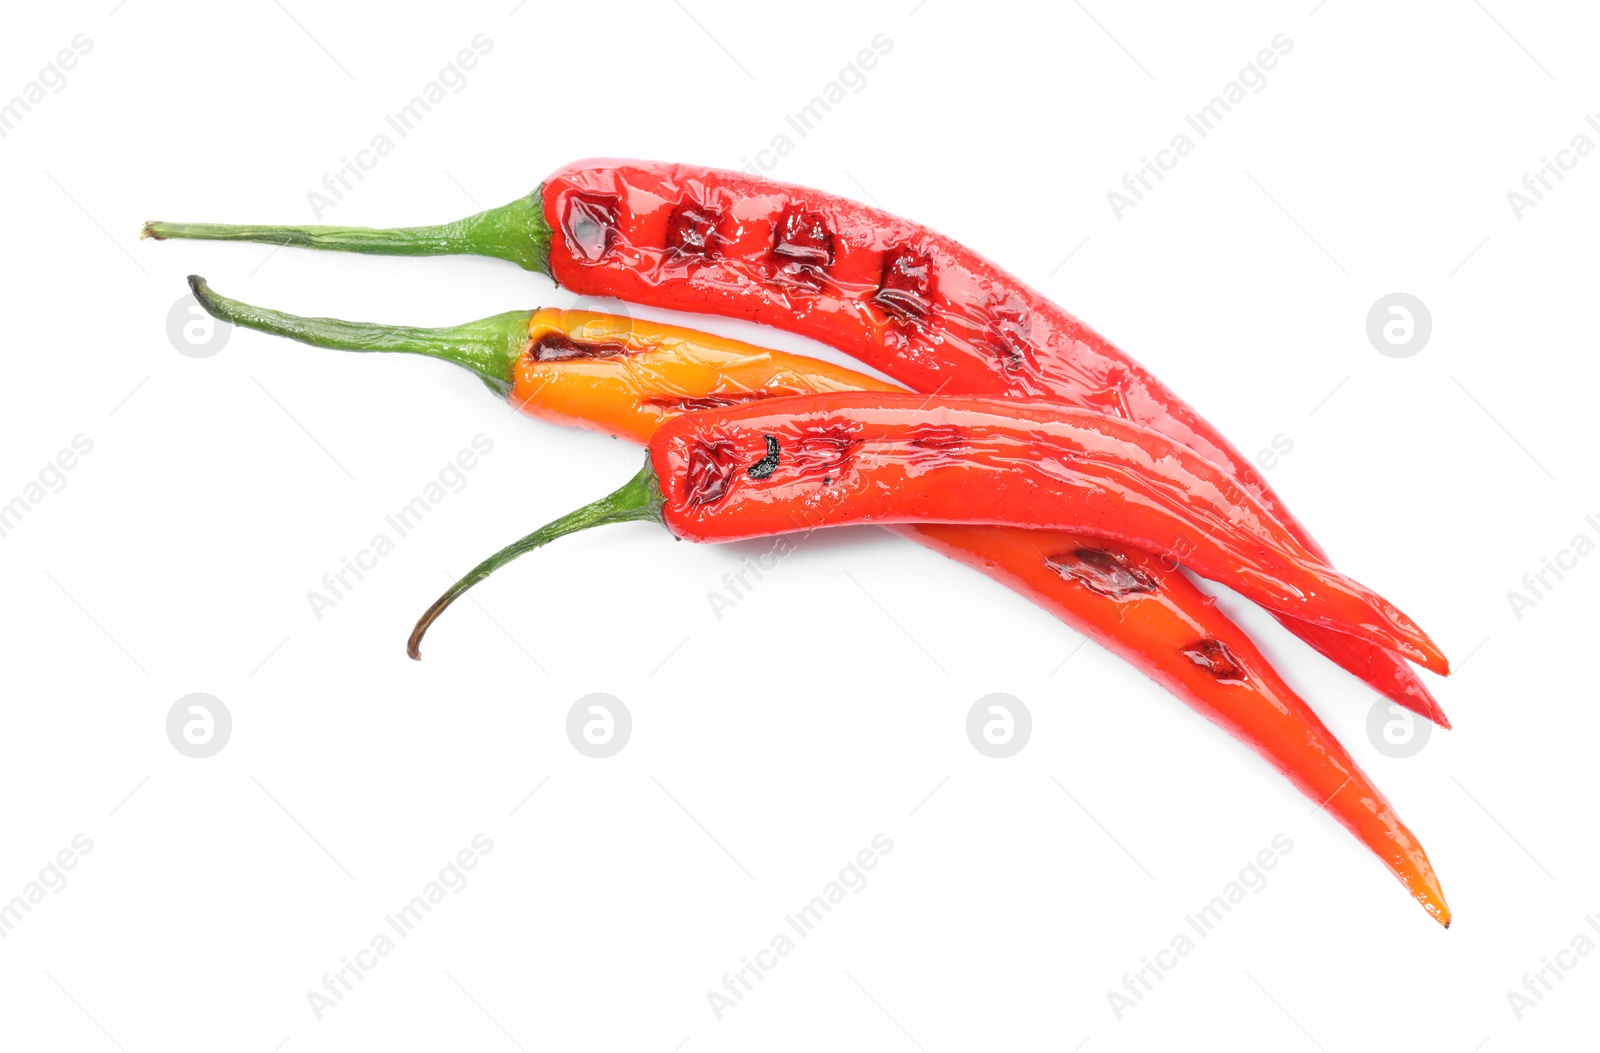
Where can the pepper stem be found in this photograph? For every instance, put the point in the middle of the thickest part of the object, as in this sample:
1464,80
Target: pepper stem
638,500
516,232
489,347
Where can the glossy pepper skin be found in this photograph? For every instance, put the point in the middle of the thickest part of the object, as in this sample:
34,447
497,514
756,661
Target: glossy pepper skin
847,458
915,304
625,378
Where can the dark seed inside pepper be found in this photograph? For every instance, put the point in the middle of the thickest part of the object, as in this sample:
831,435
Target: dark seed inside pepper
768,464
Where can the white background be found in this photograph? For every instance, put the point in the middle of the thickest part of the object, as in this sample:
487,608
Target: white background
770,746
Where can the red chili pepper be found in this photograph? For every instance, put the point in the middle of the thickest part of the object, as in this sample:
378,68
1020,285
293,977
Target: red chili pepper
910,302
1237,685
801,462
626,377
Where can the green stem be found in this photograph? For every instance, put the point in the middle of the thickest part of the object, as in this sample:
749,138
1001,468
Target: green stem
489,347
516,232
637,500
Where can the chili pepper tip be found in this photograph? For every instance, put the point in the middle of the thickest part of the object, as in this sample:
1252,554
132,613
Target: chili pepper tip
1424,704
202,292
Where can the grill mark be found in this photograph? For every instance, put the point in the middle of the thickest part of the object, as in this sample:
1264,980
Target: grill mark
803,246
906,287
695,231
712,463
1214,657
824,449
1102,572
1009,336
937,444
591,224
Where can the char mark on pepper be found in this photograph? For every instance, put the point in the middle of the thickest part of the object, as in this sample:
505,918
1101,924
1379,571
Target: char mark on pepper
935,444
823,449
802,246
689,403
906,287
559,347
694,231
768,464
591,223
1009,336
1214,657
712,463
1101,572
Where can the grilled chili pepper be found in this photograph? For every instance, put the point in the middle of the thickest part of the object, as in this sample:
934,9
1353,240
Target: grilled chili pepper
915,304
845,457
626,377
